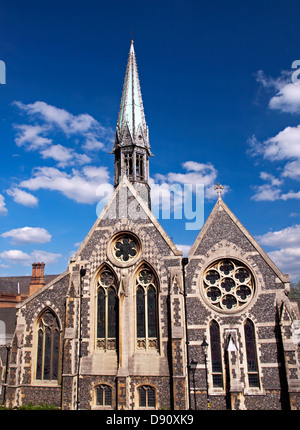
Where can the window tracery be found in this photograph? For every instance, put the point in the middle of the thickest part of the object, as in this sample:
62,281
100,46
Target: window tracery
125,248
48,347
228,285
146,309
107,310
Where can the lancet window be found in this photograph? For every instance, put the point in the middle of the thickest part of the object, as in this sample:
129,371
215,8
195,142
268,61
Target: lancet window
140,167
253,376
146,396
103,395
216,356
107,310
48,347
146,309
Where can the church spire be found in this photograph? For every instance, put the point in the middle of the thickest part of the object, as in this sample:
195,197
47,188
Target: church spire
131,147
131,112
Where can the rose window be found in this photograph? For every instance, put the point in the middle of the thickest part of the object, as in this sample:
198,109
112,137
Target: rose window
125,248
228,285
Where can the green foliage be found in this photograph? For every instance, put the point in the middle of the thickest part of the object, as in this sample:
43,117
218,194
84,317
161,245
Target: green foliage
41,406
30,407
295,290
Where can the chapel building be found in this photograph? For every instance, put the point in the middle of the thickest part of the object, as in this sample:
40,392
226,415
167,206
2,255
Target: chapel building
131,324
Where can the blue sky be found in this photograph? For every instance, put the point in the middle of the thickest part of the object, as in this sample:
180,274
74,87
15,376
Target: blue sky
219,98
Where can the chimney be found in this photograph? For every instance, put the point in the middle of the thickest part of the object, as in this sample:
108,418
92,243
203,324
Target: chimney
37,278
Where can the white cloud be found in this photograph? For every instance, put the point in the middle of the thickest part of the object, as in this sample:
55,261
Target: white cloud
283,238
291,195
49,114
92,143
82,124
287,259
287,97
65,156
22,197
45,257
196,174
15,256
271,178
288,254
283,146
184,248
78,186
292,170
3,209
28,235
30,136
266,192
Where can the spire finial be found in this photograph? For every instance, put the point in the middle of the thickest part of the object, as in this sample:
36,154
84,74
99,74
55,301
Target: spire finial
219,189
131,43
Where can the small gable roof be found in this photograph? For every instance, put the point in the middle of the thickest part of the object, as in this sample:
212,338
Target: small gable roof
219,206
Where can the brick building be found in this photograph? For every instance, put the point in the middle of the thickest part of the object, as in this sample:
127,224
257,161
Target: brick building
131,324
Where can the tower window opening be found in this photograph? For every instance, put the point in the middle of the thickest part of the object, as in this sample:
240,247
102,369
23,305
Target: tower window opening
128,166
140,167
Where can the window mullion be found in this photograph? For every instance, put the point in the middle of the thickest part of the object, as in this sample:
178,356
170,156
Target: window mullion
43,353
146,316
51,353
106,320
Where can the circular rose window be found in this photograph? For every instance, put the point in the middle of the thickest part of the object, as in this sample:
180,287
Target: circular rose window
228,285
125,248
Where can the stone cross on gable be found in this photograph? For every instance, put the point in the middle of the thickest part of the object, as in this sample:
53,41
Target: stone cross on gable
219,189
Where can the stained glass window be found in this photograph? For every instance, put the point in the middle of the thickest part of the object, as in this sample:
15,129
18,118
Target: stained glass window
151,312
107,310
228,285
101,313
253,378
48,347
216,358
112,315
140,312
146,396
146,308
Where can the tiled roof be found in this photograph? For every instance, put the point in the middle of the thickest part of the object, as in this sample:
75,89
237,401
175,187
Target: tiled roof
10,284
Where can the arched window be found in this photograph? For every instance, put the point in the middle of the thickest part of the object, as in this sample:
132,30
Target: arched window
253,378
48,347
216,357
146,309
146,396
140,166
103,395
107,310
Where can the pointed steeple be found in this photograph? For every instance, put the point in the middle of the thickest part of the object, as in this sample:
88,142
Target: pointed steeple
131,147
131,112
